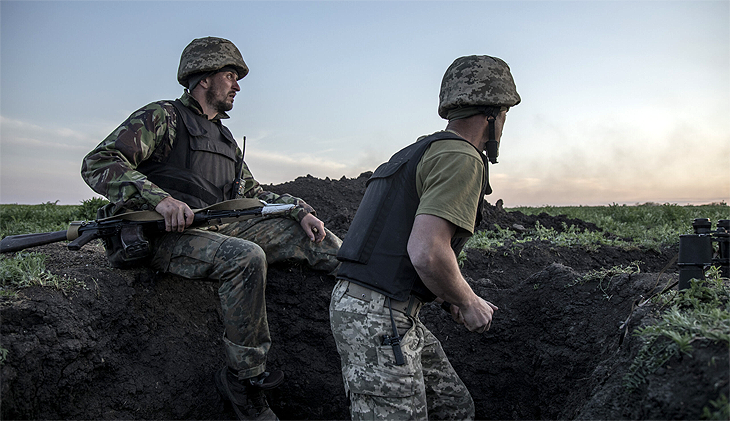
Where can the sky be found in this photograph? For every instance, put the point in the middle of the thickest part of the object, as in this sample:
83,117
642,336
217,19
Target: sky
622,101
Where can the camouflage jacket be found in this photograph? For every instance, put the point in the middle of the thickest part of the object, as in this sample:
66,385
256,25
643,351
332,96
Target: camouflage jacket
149,133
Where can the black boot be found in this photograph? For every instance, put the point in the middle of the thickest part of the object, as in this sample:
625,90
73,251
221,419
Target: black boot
247,396
266,380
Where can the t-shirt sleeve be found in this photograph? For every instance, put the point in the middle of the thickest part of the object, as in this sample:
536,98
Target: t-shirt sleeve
449,182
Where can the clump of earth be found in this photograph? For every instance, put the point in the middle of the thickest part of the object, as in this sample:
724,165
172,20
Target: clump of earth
132,344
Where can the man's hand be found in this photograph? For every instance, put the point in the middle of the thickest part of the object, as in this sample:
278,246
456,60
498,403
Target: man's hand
313,227
177,214
429,248
477,317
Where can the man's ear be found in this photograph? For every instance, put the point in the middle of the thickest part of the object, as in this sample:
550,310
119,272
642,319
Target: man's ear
204,83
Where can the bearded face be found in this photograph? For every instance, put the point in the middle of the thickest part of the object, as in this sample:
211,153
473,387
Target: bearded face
222,91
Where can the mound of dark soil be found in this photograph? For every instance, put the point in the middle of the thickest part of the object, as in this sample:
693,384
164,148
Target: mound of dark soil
132,345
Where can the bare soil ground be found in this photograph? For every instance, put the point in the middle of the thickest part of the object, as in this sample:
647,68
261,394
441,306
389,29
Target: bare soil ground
132,345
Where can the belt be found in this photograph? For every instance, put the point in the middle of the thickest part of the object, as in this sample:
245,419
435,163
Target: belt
410,307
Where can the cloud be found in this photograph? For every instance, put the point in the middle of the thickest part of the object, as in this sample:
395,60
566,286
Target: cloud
279,156
272,167
16,133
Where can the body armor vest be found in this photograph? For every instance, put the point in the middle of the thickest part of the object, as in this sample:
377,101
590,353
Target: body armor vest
374,253
202,168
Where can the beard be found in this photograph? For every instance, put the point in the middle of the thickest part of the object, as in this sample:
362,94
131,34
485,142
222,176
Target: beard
218,100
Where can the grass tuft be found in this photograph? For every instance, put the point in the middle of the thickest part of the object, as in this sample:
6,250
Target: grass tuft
605,276
28,269
721,409
697,314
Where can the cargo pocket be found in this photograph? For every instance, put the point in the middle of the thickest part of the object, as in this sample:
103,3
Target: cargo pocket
380,375
375,381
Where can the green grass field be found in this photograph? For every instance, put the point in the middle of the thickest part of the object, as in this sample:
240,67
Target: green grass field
638,222
649,226
46,217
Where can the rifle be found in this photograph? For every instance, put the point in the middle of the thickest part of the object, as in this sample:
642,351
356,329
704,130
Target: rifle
129,226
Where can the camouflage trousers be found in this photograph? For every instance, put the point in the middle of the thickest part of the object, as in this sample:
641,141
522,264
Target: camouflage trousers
426,387
237,256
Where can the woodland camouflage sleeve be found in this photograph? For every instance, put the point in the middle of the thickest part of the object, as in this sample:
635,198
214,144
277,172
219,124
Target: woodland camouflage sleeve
251,188
109,169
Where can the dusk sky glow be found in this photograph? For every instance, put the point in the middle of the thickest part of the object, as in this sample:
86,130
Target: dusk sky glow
622,101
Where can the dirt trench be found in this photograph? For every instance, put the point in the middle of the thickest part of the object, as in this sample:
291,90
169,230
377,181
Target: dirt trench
132,345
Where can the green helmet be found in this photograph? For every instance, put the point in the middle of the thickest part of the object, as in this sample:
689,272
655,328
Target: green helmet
208,55
477,81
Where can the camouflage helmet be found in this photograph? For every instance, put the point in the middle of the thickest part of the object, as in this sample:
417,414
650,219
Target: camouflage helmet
477,81
208,55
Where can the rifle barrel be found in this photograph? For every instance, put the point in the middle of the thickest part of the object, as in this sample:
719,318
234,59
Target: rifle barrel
23,241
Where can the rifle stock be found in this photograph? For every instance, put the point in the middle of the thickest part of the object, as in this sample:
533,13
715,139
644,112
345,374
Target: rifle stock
81,232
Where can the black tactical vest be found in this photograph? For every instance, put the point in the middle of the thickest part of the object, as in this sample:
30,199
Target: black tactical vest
201,169
374,253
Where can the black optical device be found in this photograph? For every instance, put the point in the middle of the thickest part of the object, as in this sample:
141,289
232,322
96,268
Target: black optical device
702,249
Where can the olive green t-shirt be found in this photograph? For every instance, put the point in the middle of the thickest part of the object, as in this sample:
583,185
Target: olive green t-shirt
449,181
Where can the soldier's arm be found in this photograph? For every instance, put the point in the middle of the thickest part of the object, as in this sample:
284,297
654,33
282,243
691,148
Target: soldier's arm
110,169
429,248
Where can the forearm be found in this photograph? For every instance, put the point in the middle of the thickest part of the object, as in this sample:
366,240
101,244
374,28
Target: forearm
439,271
429,248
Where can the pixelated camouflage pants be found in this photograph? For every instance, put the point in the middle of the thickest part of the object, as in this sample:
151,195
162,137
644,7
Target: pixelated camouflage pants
236,256
426,387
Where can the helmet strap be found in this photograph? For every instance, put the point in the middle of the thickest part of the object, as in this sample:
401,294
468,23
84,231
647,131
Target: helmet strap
492,144
193,80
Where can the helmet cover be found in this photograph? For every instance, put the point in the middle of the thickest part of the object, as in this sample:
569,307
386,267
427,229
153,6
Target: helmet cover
477,81
208,55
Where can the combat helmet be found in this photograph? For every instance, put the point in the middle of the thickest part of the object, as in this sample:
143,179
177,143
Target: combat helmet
477,81
209,54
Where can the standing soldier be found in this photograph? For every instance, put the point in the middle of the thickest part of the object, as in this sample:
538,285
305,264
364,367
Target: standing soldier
401,250
175,156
